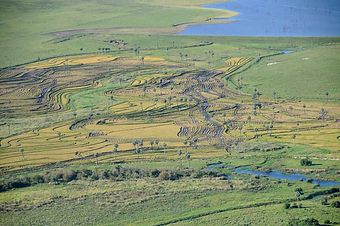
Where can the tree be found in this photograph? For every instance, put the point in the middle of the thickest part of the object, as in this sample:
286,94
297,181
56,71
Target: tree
324,202
294,137
298,193
22,153
144,89
115,150
164,148
180,158
157,143
181,55
335,204
138,144
286,205
323,114
303,222
96,155
274,95
187,157
142,60
304,108
306,162
152,142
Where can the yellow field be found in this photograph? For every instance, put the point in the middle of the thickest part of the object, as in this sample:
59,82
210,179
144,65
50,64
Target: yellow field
146,108
71,61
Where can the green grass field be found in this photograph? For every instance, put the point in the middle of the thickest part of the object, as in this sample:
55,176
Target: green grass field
107,117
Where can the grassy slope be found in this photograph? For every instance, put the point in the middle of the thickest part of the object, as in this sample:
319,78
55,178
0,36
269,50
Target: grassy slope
24,24
306,74
21,41
185,198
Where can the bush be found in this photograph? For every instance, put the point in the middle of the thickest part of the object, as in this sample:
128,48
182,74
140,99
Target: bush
20,183
104,175
164,175
336,204
306,162
286,205
69,176
294,205
324,202
155,173
56,176
37,179
304,222
84,174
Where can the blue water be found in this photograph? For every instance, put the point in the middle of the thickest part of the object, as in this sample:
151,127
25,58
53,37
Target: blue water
286,176
275,18
274,174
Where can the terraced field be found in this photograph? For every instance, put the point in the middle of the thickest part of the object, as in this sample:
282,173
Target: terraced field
177,107
156,130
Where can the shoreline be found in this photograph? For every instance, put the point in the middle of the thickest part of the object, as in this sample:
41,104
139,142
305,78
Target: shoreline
257,22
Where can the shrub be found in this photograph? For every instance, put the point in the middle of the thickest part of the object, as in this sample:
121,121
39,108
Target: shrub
69,175
155,173
335,204
286,205
294,205
37,179
20,183
324,202
56,176
84,174
104,175
306,162
175,176
164,175
304,222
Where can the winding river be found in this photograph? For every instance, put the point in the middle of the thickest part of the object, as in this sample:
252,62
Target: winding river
275,175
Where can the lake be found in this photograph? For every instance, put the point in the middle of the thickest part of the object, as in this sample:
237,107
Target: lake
296,18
